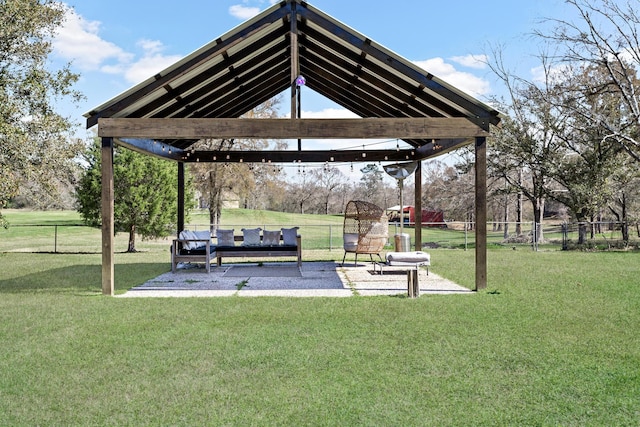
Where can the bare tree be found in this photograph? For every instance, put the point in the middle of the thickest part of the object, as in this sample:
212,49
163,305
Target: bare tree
526,147
215,181
606,36
329,178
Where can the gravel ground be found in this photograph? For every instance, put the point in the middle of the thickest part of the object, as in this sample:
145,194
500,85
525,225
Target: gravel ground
321,279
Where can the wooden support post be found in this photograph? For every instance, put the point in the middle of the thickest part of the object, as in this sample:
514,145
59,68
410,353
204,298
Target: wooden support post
418,207
107,217
413,283
295,65
180,222
481,212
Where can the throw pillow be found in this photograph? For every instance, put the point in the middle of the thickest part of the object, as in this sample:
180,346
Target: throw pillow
225,237
201,235
289,236
270,238
251,236
187,235
350,242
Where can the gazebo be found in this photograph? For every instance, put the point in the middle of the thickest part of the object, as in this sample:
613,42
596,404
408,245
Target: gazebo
204,94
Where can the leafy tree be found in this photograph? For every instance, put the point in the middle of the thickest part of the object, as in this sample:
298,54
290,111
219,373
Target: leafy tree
625,200
145,194
448,189
591,158
36,147
372,187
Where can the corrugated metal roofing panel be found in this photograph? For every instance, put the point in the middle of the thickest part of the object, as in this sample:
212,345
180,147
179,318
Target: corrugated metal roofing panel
252,63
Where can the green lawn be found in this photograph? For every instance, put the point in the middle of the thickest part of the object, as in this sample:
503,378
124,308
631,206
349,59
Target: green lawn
552,341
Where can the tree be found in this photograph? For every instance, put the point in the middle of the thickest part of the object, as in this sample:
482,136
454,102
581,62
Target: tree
605,36
329,178
145,194
526,146
372,187
625,201
591,158
247,182
36,146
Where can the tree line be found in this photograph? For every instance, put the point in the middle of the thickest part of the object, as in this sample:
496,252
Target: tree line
569,141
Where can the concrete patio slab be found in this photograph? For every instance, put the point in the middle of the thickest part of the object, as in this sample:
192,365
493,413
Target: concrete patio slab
313,279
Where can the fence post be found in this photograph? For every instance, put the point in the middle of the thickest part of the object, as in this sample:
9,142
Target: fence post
55,239
330,237
465,235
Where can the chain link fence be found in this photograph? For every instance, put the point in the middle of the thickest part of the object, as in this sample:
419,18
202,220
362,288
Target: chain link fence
65,238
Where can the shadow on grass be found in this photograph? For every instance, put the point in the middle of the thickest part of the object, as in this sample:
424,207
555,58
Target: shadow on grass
83,279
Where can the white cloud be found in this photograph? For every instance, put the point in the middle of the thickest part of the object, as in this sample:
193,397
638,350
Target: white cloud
77,40
151,62
464,81
471,61
554,74
329,113
243,12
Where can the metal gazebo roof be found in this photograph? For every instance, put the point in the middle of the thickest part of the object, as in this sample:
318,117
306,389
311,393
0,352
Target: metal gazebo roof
256,61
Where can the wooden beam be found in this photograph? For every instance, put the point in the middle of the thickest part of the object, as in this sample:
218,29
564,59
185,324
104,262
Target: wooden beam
181,205
107,216
409,128
481,213
295,62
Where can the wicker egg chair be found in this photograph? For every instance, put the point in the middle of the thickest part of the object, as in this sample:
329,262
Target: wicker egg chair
366,229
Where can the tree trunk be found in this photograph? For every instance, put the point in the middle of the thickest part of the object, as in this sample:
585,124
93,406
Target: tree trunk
582,232
625,221
519,206
538,211
132,239
506,218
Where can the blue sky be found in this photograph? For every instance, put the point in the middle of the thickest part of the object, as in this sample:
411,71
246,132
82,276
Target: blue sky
117,43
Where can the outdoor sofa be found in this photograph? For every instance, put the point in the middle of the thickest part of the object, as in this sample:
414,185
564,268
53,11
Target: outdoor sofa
198,246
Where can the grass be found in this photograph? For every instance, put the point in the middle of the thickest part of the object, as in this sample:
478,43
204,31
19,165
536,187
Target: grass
552,341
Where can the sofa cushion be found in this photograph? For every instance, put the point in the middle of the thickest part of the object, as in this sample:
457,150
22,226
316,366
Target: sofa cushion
225,237
289,236
188,235
251,236
270,238
201,235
